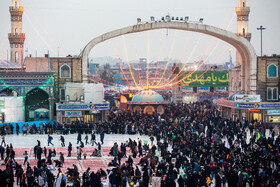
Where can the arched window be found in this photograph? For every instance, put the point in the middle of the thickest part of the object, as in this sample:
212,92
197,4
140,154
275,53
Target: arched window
272,71
243,31
65,71
16,30
16,57
244,4
16,4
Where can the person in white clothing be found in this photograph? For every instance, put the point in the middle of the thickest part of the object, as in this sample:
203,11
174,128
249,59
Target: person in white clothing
108,180
58,179
41,180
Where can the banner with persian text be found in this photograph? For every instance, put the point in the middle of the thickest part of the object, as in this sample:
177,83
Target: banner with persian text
201,79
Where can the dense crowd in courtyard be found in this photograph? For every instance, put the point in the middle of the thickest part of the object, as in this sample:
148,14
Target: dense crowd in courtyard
190,144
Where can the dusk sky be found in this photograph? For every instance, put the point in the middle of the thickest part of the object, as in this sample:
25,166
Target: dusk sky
68,25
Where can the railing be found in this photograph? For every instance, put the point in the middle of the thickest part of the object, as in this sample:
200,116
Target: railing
16,8
246,35
240,9
17,35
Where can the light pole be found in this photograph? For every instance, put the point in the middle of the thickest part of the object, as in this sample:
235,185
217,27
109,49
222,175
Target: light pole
261,28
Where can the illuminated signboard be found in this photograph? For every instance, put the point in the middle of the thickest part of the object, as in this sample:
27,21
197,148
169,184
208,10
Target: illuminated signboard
204,79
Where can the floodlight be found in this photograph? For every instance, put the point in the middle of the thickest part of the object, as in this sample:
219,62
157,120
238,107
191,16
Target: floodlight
162,18
201,20
152,18
187,18
177,18
181,19
138,20
173,18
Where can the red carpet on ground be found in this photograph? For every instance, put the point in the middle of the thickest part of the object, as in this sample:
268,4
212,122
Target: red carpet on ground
95,163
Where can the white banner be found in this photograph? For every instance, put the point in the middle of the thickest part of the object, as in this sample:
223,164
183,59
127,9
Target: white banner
247,98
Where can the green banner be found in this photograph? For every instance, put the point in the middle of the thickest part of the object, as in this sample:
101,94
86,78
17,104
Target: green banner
201,79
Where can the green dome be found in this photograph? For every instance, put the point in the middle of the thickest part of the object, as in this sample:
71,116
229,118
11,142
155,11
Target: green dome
147,95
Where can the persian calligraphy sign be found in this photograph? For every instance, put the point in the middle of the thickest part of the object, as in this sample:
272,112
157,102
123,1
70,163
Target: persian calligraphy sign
202,79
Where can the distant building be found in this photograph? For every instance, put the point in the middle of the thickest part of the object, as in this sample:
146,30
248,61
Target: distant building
34,91
84,103
147,102
66,69
93,69
264,106
268,79
234,80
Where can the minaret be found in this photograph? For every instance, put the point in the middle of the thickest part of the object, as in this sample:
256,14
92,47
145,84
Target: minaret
242,12
16,37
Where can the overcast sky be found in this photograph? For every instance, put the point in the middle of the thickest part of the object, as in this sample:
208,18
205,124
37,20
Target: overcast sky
68,25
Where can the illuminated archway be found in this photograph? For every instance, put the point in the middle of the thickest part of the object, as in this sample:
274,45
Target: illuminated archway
242,45
35,101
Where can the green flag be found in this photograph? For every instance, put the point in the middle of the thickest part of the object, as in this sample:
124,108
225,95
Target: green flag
259,135
145,142
157,153
182,174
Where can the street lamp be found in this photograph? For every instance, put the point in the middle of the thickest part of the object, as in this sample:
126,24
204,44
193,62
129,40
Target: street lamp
261,28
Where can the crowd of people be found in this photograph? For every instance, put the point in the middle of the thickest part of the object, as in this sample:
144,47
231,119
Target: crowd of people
203,147
190,145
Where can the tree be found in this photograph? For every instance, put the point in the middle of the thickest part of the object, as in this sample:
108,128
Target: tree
106,75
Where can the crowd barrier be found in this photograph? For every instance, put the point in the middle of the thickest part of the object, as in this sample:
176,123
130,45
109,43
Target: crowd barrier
20,124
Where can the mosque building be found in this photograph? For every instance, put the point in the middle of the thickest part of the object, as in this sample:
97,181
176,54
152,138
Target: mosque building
148,102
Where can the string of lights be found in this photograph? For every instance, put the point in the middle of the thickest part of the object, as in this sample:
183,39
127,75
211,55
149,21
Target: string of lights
38,33
105,83
38,22
208,69
114,47
193,50
190,73
148,58
181,54
137,57
128,63
159,54
103,80
169,55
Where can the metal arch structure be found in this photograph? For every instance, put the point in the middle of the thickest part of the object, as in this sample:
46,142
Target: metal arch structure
242,45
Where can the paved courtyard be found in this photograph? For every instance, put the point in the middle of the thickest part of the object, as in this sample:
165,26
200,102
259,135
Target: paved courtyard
26,143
